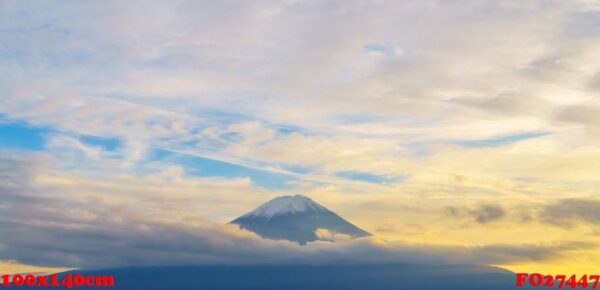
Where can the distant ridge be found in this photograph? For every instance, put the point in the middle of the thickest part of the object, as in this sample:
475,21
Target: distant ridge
303,277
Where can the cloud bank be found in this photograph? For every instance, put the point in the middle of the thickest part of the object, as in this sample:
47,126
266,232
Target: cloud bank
40,225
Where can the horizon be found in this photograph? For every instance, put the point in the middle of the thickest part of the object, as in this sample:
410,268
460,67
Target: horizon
132,133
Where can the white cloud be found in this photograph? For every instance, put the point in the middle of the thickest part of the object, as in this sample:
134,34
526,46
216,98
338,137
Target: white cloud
156,82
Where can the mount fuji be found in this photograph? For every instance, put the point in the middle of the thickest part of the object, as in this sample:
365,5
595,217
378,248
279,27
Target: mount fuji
295,218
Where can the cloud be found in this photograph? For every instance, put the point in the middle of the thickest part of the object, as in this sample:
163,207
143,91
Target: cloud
487,213
329,236
483,213
567,211
45,226
508,104
587,114
202,72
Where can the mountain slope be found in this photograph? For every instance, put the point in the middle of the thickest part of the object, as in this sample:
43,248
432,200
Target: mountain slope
295,218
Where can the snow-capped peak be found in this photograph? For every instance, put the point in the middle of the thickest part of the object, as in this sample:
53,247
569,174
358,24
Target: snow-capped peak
286,205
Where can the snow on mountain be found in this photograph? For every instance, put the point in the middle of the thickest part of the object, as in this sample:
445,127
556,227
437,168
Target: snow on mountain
295,218
286,205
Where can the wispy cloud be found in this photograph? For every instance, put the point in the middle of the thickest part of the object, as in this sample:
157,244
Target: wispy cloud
503,140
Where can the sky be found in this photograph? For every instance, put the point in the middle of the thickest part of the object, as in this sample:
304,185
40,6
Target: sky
132,132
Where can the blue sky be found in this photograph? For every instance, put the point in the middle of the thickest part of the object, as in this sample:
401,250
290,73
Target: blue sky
20,136
199,166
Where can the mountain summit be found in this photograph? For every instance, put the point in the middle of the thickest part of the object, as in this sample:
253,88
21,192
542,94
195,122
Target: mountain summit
295,218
